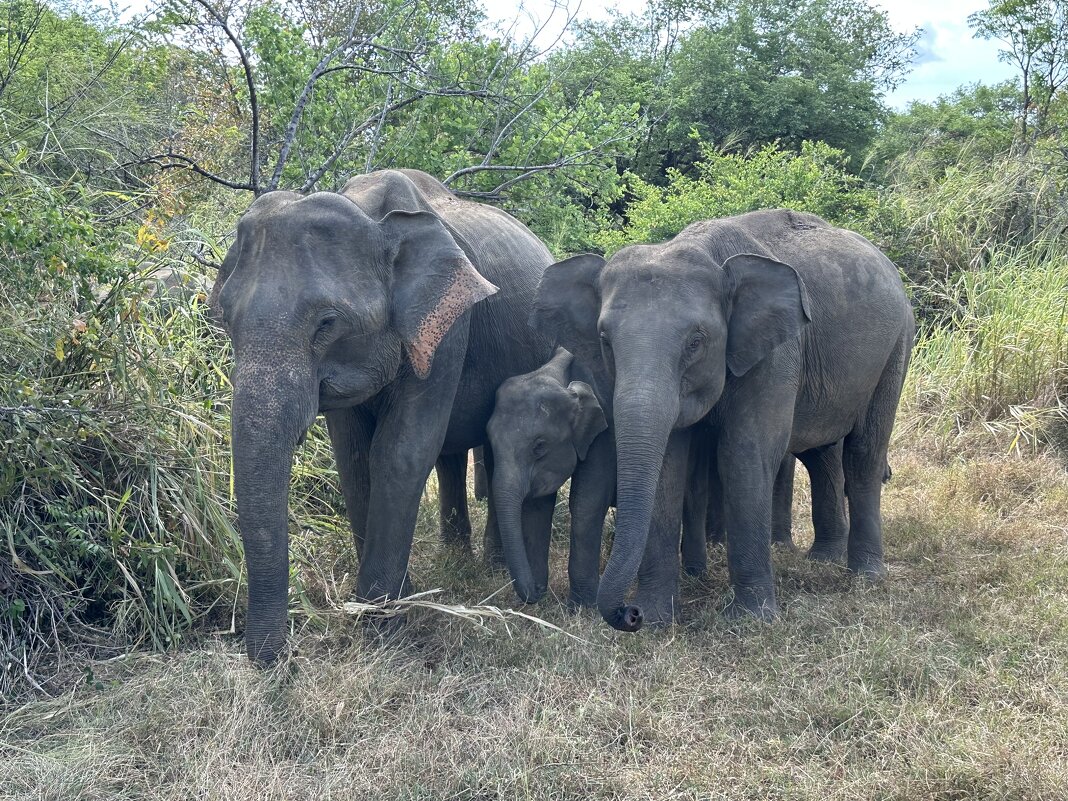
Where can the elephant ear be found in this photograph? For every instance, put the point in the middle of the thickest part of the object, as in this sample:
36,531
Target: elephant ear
559,366
433,283
214,301
588,420
769,305
568,304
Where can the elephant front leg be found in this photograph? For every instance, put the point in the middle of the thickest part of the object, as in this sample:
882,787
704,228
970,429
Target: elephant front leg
452,500
351,431
593,487
537,534
658,577
747,471
406,444
695,511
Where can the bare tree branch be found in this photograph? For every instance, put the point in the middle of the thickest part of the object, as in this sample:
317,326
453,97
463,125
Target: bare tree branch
254,170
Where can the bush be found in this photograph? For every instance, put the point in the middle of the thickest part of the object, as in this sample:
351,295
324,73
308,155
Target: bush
114,486
814,180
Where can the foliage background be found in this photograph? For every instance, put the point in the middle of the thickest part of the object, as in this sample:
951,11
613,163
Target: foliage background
126,157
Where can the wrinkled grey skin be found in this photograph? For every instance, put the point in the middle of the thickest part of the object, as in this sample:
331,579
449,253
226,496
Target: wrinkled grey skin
547,426
395,310
788,334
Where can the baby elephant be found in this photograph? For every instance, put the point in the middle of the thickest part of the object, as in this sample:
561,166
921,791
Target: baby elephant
547,426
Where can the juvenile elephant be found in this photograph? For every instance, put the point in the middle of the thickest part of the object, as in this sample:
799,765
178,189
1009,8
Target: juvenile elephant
789,334
396,310
547,426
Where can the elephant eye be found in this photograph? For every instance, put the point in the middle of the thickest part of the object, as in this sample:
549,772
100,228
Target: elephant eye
695,343
539,448
326,326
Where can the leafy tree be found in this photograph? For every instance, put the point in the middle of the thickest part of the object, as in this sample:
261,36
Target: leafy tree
79,89
1035,35
722,184
785,70
312,98
976,119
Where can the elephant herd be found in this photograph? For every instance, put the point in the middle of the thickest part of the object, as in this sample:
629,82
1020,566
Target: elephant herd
676,381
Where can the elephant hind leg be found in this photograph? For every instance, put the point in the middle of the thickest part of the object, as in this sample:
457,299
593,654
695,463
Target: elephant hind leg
452,500
864,462
782,504
829,521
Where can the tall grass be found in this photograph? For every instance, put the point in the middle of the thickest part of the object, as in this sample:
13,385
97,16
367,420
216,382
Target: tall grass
1002,359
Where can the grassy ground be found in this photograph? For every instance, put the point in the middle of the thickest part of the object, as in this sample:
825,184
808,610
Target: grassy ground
948,681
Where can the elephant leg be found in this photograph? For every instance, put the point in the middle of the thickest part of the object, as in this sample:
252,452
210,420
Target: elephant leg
452,500
593,487
481,479
658,576
782,497
829,522
715,527
695,510
537,533
351,431
749,459
864,463
492,549
409,434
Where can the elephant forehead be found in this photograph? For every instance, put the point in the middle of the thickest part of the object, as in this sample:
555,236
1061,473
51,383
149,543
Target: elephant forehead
532,398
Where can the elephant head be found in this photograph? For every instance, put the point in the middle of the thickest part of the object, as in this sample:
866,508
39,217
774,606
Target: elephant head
543,423
670,323
324,307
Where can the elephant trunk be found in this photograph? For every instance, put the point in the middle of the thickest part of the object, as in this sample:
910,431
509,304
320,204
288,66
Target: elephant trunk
508,496
269,418
645,414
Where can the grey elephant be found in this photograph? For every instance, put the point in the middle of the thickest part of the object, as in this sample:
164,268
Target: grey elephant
550,425
394,309
788,334
547,426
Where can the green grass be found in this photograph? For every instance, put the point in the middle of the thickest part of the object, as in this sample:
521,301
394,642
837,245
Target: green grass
1000,360
946,681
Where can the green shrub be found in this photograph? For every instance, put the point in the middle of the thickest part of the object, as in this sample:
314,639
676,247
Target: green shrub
814,180
114,486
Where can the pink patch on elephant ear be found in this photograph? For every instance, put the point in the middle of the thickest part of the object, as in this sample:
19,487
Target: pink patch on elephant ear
466,289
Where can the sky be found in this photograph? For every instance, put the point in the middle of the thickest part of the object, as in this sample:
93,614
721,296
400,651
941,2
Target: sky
948,56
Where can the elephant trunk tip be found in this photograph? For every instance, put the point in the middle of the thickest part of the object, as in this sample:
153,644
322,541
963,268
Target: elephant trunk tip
625,618
529,593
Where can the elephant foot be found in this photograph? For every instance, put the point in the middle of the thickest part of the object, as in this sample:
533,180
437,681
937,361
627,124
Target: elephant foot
659,610
826,553
868,566
694,568
753,602
457,537
784,541
582,599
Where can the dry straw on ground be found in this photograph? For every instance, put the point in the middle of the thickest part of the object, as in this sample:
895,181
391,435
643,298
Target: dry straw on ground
946,682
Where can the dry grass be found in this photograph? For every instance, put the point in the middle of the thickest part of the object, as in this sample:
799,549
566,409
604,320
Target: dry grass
947,681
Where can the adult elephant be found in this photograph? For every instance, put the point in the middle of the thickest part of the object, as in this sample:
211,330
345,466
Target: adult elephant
788,334
396,310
